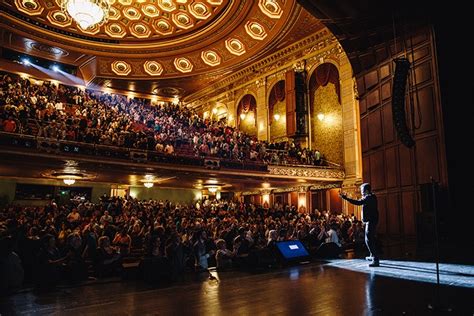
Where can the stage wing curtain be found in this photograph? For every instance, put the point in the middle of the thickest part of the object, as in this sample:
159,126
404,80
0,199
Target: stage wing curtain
277,94
323,75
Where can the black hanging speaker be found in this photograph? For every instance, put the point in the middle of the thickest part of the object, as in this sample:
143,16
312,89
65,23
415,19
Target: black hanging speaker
402,65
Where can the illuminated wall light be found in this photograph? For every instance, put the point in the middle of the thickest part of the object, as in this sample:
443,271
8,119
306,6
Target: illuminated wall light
302,201
148,184
276,117
175,101
214,110
230,117
321,116
242,116
266,198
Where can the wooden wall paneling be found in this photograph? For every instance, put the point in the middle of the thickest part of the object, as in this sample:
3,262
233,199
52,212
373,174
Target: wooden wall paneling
294,199
393,214
387,122
384,71
382,206
371,79
364,134
374,129
427,158
425,117
406,166
373,99
377,170
423,72
391,167
366,168
362,106
336,202
386,90
408,213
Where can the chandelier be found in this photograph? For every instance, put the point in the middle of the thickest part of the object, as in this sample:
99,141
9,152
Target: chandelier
87,12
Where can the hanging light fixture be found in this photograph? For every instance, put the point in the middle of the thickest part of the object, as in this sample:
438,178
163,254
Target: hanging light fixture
69,181
87,13
213,189
148,184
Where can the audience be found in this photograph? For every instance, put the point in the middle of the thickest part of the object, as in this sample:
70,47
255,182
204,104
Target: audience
87,116
167,238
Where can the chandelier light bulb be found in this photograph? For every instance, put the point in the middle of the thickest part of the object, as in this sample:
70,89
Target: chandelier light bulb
69,181
148,184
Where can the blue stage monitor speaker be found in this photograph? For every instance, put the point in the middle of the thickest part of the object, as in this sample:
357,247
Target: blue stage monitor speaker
292,249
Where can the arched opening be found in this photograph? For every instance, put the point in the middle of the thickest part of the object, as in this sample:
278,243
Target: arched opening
326,113
247,115
277,112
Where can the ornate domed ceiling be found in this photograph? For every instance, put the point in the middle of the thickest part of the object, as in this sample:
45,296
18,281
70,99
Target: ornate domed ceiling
155,39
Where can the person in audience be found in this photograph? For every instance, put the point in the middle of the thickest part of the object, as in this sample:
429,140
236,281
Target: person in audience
223,255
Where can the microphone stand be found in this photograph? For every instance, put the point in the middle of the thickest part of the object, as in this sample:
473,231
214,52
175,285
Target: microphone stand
436,306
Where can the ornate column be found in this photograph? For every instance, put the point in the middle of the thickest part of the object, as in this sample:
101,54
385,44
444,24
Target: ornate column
262,109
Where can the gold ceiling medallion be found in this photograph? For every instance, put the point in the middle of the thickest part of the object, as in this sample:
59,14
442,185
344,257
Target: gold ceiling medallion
199,10
183,64
30,7
167,5
255,30
150,10
153,68
162,27
210,58
132,14
114,14
270,8
121,68
182,20
115,30
59,18
140,30
235,46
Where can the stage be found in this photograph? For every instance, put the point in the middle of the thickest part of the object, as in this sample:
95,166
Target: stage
334,287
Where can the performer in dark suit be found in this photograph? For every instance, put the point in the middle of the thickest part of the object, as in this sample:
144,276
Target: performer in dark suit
370,216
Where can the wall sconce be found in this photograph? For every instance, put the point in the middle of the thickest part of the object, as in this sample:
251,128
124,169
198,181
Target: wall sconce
242,116
276,117
214,110
321,116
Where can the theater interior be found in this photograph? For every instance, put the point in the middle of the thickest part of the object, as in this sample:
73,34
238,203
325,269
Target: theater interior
213,152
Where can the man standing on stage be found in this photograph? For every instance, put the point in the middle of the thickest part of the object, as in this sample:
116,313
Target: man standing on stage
370,216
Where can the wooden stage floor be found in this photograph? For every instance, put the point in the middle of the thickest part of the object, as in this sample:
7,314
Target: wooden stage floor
324,288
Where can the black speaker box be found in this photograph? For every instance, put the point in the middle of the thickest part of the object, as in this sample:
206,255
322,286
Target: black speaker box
402,66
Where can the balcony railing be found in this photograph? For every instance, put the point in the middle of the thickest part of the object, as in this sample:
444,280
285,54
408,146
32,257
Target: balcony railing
65,147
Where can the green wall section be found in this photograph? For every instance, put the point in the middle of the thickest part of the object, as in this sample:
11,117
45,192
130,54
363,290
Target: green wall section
157,193
8,186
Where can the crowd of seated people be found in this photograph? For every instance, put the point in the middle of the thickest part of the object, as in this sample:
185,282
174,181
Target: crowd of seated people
69,113
79,240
